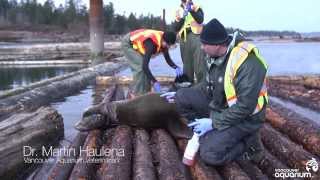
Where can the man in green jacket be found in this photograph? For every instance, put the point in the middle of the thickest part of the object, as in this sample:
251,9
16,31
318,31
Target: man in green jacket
188,24
229,106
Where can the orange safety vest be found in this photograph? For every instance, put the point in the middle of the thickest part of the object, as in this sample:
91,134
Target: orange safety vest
138,37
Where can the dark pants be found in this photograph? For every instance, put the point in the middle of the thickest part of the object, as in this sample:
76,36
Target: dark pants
192,103
217,147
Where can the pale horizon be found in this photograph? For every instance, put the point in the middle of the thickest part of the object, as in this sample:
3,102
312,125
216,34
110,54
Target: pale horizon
248,15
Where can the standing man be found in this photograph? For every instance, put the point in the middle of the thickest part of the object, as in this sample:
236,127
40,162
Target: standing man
138,47
188,24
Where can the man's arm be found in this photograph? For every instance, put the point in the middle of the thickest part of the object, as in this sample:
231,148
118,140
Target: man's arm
150,49
198,15
168,59
248,83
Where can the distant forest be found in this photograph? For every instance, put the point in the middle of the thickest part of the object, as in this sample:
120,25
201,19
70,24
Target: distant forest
73,15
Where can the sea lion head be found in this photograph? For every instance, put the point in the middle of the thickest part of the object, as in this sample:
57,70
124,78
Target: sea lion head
94,121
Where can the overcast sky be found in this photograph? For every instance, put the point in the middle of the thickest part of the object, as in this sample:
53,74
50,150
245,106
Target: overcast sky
297,15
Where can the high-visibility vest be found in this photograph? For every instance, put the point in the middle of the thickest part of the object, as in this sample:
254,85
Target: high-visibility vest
237,56
138,37
190,22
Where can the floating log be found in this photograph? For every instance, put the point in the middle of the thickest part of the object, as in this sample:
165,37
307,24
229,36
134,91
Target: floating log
120,152
232,171
143,167
124,80
311,82
301,131
167,157
297,94
53,51
43,95
269,163
65,164
86,165
285,150
21,132
200,171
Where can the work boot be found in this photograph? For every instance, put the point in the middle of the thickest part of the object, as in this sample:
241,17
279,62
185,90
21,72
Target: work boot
108,116
254,149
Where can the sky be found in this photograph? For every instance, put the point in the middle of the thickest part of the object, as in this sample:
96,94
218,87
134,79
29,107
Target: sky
296,15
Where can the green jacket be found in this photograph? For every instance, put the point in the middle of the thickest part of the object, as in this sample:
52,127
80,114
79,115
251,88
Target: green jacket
248,82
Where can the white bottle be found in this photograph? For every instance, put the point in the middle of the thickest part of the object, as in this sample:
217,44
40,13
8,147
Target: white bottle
191,150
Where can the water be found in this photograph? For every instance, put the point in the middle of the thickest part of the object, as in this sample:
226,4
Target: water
71,110
291,58
282,58
15,76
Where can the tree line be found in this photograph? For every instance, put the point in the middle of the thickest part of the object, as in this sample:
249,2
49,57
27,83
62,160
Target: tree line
70,15
73,15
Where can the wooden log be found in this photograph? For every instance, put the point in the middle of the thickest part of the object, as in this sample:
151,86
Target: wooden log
311,82
297,94
269,163
299,129
285,150
52,52
86,165
120,153
65,164
43,95
167,157
232,171
124,80
251,170
107,140
21,132
200,171
143,167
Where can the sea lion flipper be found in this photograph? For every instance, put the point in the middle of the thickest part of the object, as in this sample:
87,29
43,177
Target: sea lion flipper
179,129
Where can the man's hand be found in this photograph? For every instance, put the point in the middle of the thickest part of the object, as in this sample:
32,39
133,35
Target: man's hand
178,71
170,96
201,126
189,6
156,87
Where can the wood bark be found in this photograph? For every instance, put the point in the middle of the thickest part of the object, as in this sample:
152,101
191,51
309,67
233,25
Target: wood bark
42,128
269,163
311,82
200,171
285,150
143,167
232,171
252,170
303,132
86,165
65,164
167,157
118,165
296,93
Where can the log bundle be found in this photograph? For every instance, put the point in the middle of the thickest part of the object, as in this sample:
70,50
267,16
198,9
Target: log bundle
300,90
290,142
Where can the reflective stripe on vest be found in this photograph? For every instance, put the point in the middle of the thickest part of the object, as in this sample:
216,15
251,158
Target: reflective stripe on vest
237,56
138,37
190,22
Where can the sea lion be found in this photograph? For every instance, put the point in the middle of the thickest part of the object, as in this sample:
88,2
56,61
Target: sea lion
147,111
